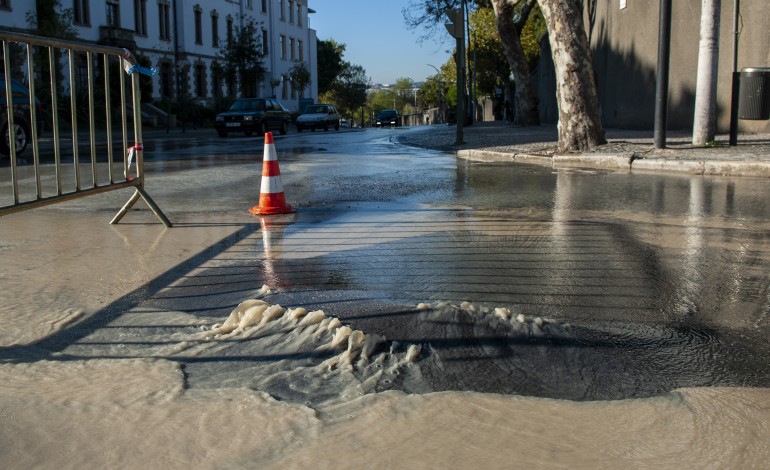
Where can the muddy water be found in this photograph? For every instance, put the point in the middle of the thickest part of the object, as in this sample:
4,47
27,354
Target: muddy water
473,316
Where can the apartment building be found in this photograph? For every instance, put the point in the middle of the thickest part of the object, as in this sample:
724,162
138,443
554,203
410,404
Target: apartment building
182,39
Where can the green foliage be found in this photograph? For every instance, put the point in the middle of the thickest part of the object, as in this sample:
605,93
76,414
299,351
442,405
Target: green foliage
492,68
51,20
348,92
330,64
241,59
534,29
300,76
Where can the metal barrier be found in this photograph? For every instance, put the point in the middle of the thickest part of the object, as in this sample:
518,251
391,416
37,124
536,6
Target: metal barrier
51,183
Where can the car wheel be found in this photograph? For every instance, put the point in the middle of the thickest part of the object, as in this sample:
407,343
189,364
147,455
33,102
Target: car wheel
326,127
222,133
284,128
21,138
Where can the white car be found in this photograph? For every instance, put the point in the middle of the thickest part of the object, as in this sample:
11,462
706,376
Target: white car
318,116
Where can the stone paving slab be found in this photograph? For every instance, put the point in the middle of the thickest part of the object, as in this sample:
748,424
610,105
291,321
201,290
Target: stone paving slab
625,150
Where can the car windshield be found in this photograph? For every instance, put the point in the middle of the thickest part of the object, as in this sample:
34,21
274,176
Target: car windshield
248,105
315,109
387,114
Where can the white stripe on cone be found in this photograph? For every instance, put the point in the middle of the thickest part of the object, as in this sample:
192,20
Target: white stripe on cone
271,185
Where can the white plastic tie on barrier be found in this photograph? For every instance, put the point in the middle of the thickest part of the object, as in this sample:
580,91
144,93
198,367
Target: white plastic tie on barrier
137,147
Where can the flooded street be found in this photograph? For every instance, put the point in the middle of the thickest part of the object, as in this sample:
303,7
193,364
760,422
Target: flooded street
417,310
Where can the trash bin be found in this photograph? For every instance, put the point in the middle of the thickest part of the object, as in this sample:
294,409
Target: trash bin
754,94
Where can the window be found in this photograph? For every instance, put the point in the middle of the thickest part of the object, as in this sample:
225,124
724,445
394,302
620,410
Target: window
165,80
291,49
283,47
164,20
265,38
282,9
216,84
250,4
80,13
300,51
299,14
291,11
264,6
214,29
140,17
5,4
200,80
198,24
285,89
229,30
113,13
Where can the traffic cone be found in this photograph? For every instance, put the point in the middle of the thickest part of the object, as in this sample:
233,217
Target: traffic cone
271,198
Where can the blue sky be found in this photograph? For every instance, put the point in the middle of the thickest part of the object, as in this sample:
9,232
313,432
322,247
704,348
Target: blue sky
377,39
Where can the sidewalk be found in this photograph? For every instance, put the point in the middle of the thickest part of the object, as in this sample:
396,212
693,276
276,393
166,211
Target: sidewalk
626,149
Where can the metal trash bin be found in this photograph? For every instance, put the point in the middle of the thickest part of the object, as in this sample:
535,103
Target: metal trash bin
754,94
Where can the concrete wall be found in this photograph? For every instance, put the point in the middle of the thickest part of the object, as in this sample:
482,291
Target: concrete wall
625,45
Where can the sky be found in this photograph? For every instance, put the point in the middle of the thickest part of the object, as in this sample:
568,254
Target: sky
376,38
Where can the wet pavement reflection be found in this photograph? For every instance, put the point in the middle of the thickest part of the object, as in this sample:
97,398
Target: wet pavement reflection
617,285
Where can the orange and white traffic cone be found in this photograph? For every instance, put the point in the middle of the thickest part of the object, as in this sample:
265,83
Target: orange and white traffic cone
271,197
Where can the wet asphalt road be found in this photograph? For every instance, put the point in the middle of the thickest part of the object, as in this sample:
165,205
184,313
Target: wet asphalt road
652,282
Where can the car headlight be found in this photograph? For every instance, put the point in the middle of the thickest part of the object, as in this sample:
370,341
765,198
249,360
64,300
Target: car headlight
248,118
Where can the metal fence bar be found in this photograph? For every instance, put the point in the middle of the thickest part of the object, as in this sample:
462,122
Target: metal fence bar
91,117
108,114
33,118
10,125
55,117
74,118
42,173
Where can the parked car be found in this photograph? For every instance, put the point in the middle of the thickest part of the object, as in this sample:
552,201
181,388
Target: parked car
388,117
343,123
318,116
21,117
253,115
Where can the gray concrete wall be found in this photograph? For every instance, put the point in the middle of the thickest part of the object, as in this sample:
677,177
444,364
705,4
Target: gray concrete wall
625,48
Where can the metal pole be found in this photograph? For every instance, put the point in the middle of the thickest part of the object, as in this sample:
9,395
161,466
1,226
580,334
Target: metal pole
460,90
736,84
661,89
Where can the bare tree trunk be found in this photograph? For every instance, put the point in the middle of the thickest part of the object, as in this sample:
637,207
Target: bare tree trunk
705,124
579,125
514,54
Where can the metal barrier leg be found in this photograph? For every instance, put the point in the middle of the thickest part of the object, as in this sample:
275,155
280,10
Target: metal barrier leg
140,192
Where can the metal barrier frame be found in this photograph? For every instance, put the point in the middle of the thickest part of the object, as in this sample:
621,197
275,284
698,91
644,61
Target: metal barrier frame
129,65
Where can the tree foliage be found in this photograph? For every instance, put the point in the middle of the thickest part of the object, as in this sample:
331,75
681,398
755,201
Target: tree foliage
241,58
330,63
348,92
299,74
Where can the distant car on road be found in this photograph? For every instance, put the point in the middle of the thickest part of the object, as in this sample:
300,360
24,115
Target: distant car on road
388,117
343,123
21,117
318,116
253,115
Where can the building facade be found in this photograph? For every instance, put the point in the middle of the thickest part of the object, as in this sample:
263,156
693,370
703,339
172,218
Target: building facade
183,40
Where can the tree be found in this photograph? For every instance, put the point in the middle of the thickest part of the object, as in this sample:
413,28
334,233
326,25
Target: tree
510,23
511,17
241,59
299,74
330,64
349,90
579,124
705,124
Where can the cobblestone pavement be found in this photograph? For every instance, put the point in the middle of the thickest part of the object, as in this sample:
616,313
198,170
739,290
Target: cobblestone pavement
498,141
